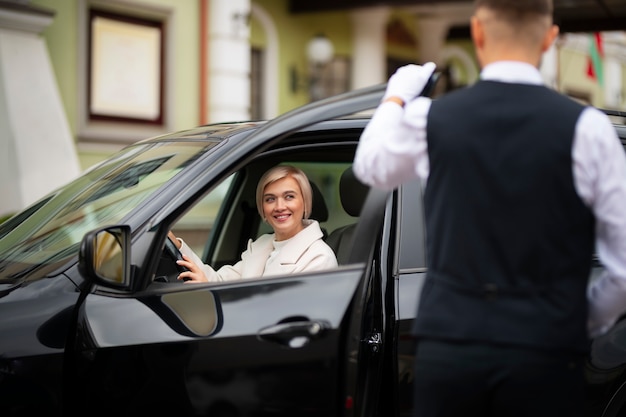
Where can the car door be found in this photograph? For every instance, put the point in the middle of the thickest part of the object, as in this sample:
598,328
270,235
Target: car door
281,346
259,347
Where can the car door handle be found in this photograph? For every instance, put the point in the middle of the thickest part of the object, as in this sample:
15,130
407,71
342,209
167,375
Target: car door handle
294,334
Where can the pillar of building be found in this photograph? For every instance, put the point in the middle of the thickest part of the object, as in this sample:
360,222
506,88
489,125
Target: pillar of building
228,66
369,65
433,32
37,150
549,67
614,65
433,23
270,71
613,85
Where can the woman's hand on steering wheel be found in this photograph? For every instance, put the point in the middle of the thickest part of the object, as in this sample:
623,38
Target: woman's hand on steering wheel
189,271
193,272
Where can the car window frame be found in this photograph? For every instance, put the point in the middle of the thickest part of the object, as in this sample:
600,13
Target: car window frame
411,228
216,252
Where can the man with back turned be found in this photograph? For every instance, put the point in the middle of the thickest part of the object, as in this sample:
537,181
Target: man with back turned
522,185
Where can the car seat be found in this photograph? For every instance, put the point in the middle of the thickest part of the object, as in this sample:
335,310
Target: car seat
319,209
352,193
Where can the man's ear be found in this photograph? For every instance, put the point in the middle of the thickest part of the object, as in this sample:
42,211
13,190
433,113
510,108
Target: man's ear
549,37
477,32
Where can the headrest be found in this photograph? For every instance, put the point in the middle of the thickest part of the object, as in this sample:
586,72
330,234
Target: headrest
353,192
319,211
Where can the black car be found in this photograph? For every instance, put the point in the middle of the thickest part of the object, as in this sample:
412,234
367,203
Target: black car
94,322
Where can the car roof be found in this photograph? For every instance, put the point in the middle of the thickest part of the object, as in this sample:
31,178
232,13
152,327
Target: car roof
225,130
216,131
621,132
619,121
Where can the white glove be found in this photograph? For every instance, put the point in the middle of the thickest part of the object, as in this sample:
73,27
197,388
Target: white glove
409,81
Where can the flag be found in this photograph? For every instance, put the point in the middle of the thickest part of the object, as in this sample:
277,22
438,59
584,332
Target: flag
595,58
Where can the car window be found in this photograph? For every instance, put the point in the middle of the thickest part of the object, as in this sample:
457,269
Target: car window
412,253
196,225
51,230
218,226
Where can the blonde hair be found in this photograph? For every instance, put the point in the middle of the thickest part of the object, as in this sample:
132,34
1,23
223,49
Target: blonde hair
282,171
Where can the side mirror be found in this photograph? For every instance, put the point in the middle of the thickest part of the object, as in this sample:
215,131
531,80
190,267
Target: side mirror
104,256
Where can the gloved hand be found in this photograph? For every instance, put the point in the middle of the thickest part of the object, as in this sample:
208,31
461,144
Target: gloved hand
409,81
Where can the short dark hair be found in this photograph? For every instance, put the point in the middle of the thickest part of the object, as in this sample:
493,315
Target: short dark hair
517,8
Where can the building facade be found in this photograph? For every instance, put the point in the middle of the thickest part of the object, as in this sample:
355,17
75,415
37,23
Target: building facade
80,79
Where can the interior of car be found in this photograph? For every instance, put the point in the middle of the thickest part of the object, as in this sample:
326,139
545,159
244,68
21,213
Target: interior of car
219,225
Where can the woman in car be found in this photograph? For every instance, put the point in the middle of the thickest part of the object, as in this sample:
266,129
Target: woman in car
284,200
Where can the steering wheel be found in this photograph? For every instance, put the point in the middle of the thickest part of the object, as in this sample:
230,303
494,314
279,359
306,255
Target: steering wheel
174,253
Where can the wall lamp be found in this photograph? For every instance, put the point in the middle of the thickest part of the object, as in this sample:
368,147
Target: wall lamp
319,52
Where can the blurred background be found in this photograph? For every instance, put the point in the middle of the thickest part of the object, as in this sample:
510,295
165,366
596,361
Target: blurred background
79,79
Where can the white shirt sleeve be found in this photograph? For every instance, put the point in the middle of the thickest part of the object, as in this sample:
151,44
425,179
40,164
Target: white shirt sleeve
393,147
600,178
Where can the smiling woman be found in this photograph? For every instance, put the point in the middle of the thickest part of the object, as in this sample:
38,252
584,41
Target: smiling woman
284,201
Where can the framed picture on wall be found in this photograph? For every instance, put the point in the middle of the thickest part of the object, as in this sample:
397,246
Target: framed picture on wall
125,68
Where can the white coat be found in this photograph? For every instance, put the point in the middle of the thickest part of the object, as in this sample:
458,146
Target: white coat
306,251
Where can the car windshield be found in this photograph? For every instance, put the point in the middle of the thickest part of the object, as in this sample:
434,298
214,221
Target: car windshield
50,231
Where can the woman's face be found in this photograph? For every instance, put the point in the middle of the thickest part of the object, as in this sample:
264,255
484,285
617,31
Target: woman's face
283,207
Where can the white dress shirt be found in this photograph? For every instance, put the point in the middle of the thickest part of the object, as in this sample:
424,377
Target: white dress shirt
393,149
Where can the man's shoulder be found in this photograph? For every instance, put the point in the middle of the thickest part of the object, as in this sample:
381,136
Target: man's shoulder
489,90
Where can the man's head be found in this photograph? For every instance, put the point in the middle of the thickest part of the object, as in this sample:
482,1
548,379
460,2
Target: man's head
517,7
512,29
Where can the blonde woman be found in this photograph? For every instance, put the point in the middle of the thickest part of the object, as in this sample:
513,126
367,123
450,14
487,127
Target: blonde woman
284,200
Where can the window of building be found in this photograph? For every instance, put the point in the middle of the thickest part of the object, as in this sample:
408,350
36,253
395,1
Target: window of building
256,84
125,68
124,72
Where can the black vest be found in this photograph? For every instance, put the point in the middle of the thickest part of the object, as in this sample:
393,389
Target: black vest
509,240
